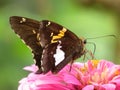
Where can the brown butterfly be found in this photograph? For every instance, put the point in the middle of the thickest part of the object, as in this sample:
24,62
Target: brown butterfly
53,45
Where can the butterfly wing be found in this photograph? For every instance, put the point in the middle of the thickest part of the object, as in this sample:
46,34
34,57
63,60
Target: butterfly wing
72,50
61,46
58,55
28,30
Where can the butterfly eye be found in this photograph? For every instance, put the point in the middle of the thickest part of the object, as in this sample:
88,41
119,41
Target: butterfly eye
85,41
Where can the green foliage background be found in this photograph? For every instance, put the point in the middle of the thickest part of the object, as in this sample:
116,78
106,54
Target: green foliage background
87,22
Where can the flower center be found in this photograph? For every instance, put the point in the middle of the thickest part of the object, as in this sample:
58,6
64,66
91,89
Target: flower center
95,72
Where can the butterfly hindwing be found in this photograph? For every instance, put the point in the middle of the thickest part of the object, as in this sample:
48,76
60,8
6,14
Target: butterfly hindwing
48,60
58,55
28,30
71,50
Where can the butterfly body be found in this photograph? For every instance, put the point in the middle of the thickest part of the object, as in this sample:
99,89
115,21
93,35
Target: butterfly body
53,45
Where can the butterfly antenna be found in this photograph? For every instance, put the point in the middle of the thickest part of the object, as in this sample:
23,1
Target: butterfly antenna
103,36
85,41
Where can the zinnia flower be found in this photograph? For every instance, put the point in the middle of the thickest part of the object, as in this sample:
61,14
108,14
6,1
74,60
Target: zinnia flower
92,75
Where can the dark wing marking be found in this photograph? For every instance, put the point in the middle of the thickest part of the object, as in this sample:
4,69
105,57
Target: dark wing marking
28,30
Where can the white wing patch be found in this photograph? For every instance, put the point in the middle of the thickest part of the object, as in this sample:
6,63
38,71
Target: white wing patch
59,56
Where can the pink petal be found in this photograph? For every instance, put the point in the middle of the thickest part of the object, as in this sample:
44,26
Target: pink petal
31,68
108,86
88,87
71,79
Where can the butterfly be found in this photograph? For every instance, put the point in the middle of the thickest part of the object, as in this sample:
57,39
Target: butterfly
52,45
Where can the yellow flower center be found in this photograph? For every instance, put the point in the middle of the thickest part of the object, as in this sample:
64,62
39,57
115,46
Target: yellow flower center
96,72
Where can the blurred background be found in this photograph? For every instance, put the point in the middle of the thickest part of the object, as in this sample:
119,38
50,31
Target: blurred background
86,18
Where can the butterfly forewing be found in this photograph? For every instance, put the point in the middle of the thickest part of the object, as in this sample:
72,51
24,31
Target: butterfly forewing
60,46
